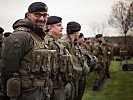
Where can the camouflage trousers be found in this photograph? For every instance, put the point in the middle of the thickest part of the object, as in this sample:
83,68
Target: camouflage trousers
99,74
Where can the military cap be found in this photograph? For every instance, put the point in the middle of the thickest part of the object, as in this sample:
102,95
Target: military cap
81,35
53,20
6,34
98,36
74,26
1,30
37,7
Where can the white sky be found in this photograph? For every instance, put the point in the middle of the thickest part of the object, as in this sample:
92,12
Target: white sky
85,12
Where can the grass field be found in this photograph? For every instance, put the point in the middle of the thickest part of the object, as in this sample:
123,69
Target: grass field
118,87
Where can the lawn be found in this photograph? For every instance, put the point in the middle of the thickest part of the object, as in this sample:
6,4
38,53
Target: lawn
118,87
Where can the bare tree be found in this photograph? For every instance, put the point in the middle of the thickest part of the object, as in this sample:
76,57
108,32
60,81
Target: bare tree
98,28
121,16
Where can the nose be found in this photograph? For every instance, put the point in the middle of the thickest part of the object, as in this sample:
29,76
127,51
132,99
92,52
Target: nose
62,27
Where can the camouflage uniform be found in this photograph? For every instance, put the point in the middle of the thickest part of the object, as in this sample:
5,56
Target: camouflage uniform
85,70
26,65
100,68
77,69
59,77
87,48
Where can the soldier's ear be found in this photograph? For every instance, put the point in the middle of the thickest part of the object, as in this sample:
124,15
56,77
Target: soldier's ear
27,15
49,27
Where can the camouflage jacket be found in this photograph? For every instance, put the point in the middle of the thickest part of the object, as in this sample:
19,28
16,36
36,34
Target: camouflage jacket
74,51
16,49
100,51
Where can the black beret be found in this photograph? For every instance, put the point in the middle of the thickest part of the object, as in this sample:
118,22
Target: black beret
1,30
81,35
98,36
53,20
6,34
37,7
73,26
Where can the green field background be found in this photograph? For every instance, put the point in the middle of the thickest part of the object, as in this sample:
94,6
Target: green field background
118,87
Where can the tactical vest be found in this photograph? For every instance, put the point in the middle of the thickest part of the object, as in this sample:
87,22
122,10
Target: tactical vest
35,68
60,72
75,68
68,65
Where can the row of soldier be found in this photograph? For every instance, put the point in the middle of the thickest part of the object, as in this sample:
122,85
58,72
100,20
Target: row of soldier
40,63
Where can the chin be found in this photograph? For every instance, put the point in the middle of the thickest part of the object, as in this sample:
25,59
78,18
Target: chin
60,33
41,25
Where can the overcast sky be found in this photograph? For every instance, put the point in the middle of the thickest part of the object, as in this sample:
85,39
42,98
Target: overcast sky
85,12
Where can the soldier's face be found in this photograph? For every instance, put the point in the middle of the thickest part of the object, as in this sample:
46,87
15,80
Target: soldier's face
81,40
57,29
101,39
38,18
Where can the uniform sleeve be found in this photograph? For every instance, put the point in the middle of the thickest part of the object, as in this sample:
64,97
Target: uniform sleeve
14,49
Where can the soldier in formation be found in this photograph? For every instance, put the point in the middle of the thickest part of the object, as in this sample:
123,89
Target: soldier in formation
100,51
79,69
83,56
22,56
58,74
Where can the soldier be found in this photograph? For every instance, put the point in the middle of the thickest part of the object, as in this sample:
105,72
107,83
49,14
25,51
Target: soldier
24,75
83,61
54,27
70,42
100,68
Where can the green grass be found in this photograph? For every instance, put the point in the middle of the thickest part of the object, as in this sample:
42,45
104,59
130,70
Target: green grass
118,87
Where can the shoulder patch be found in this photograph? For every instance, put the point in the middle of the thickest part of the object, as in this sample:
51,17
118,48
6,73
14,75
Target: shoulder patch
17,43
